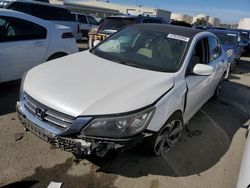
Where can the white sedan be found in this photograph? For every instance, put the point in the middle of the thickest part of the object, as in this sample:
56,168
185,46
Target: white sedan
141,84
27,41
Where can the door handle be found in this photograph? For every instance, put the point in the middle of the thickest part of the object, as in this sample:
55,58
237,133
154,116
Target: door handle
38,43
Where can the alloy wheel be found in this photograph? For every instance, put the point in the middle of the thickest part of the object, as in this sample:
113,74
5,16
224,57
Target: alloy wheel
168,137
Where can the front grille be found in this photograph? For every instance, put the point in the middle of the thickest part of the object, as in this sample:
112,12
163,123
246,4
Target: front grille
50,116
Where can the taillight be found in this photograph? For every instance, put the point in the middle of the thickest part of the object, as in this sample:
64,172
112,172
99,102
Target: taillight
67,35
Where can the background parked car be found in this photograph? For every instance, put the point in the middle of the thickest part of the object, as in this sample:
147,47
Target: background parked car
245,38
180,23
114,23
86,22
54,13
27,41
230,41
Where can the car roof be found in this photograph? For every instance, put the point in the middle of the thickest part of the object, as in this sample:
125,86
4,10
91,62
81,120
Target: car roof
171,29
226,31
39,3
21,15
131,16
79,13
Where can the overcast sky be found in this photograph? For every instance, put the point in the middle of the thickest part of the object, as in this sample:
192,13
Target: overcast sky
229,11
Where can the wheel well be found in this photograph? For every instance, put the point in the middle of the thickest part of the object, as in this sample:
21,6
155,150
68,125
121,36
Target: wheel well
56,55
177,113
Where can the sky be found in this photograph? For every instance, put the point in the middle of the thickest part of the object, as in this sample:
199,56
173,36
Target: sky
228,11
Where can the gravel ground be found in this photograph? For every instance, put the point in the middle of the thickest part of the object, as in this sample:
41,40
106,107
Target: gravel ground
209,159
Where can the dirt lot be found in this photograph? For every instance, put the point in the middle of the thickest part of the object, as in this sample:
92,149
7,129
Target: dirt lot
209,159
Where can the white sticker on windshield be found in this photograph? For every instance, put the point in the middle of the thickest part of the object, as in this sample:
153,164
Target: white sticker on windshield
178,37
231,34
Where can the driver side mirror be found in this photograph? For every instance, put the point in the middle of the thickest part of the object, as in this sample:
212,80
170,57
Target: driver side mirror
203,69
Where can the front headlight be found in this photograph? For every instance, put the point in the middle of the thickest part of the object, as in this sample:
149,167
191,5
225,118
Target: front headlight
22,81
120,126
230,52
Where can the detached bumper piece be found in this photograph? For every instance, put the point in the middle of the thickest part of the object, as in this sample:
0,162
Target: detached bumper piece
80,145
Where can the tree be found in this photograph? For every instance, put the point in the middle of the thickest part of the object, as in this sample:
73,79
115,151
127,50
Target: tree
200,21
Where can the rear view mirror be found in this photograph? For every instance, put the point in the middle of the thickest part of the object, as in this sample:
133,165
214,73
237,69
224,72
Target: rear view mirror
203,70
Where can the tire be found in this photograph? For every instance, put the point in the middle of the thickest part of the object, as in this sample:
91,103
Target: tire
218,88
165,139
56,55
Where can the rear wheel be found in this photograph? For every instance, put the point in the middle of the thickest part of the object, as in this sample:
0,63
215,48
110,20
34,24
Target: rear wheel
164,140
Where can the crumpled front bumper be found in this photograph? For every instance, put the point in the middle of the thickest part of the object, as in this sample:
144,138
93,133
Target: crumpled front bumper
80,145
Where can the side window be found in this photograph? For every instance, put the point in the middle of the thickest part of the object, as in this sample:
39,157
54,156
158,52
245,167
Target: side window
82,19
92,20
51,13
15,29
214,48
151,21
39,11
199,54
21,7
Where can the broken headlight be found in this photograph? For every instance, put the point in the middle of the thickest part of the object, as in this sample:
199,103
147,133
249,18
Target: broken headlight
119,126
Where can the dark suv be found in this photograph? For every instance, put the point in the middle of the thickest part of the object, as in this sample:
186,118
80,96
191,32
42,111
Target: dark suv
114,23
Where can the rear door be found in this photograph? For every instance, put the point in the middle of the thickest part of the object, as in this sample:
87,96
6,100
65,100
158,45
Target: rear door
23,45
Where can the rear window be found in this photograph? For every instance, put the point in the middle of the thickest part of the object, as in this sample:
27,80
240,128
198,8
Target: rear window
151,21
227,38
116,23
43,11
82,19
245,36
92,20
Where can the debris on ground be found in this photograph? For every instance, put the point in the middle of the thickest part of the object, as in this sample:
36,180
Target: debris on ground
18,136
54,185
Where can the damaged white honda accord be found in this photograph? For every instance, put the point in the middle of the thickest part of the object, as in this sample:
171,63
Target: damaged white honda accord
143,83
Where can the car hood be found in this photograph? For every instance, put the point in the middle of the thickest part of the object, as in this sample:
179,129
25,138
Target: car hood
107,31
84,84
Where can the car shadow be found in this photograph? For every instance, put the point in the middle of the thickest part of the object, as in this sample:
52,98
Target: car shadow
208,138
243,68
9,94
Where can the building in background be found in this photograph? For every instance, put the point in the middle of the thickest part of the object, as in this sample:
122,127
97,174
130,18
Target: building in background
244,23
201,16
214,21
181,17
192,19
105,8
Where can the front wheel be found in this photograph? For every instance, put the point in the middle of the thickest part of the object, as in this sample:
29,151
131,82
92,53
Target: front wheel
218,88
164,140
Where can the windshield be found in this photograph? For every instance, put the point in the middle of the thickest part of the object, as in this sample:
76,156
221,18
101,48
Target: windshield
116,23
227,38
147,49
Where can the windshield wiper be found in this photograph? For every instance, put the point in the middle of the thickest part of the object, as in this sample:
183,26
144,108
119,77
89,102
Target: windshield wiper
126,62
